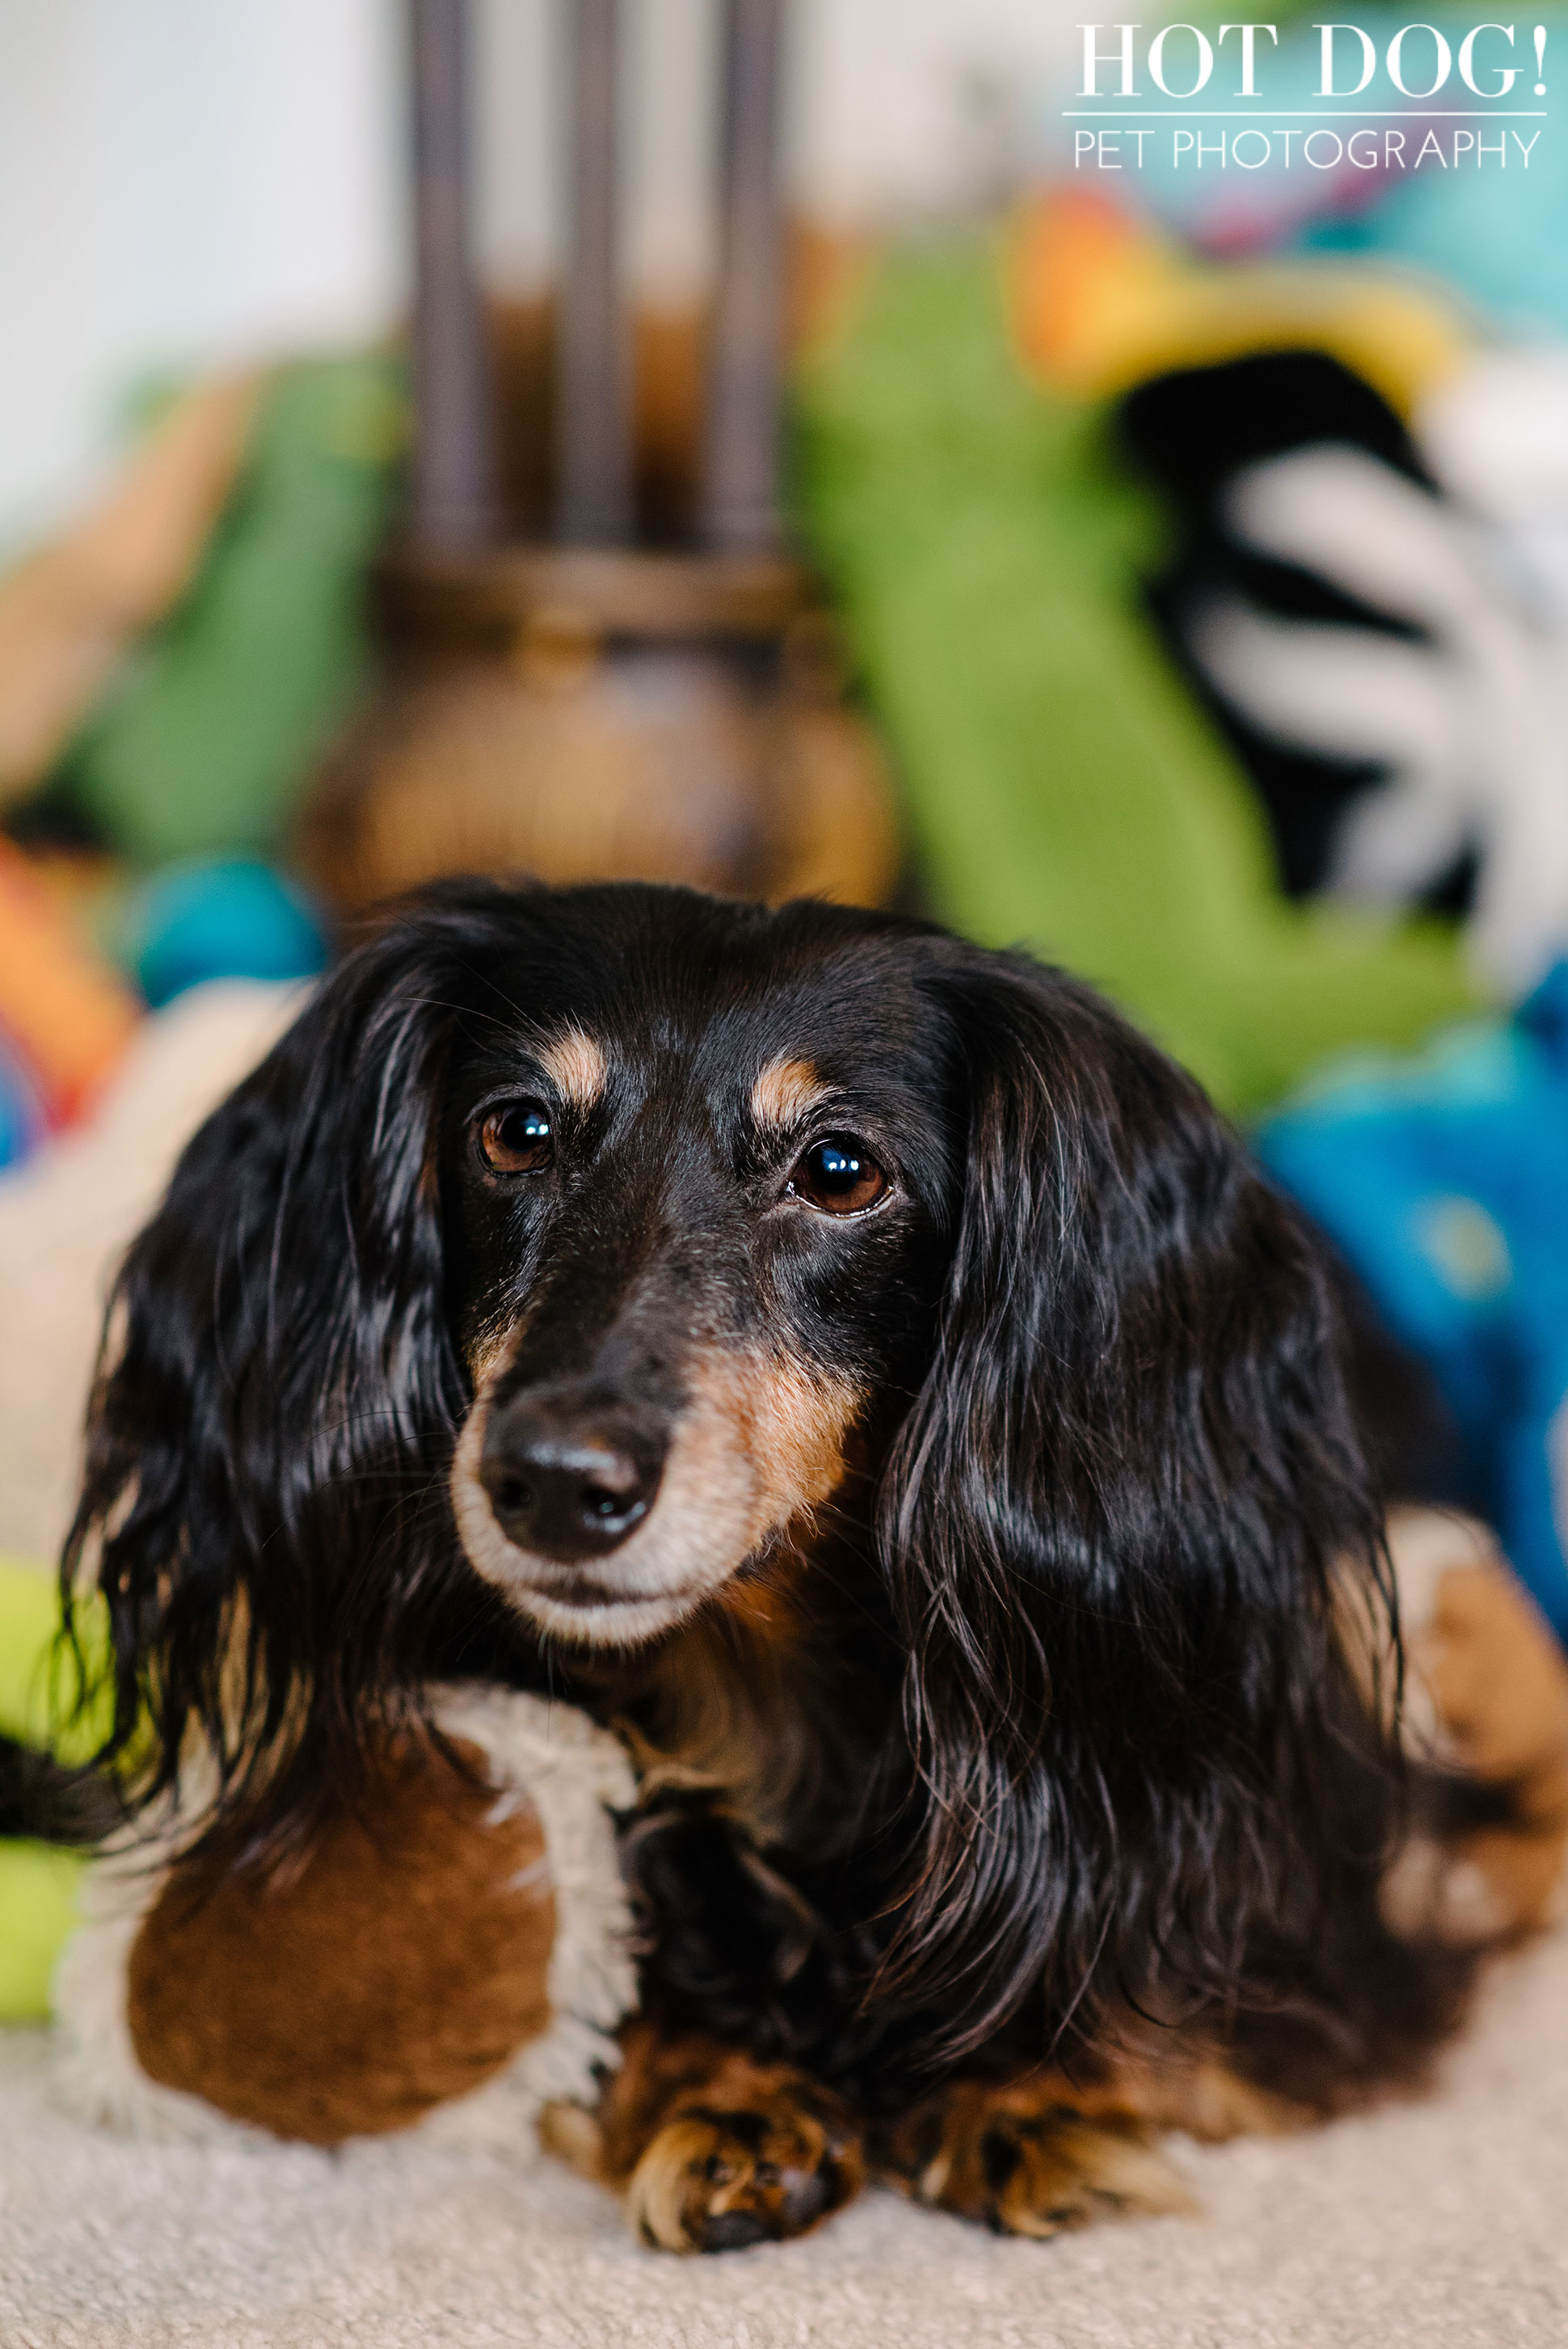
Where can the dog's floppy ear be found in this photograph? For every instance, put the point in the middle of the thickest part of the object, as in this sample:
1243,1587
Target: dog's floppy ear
1119,1524
278,1390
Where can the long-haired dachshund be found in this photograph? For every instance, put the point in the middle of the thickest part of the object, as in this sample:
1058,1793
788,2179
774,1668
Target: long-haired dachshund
867,1372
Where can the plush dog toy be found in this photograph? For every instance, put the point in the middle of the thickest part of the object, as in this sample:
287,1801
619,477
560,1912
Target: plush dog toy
462,1929
1380,631
459,1939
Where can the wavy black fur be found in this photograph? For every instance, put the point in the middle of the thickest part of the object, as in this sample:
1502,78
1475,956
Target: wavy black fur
1097,1750
51,1802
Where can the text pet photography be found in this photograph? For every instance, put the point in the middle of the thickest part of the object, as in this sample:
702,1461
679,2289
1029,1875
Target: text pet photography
1418,101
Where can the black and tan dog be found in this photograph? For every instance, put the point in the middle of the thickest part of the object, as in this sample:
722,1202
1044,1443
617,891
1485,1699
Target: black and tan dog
866,1372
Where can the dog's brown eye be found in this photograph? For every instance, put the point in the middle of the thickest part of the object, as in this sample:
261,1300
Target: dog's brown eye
838,1174
515,1139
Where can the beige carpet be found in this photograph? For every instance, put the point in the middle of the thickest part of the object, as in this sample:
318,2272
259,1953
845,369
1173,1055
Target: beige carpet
1432,2226
1437,2226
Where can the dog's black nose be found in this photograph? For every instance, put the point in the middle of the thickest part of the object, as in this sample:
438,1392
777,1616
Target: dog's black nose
569,1483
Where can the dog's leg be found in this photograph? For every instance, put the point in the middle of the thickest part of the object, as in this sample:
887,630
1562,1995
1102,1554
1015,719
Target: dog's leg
1039,2154
1036,2154
1487,1696
711,2150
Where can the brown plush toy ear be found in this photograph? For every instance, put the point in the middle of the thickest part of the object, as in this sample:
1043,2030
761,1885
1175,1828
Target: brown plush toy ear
403,1964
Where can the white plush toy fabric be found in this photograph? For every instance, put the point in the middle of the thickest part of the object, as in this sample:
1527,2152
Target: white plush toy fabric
69,1211
1468,715
1378,607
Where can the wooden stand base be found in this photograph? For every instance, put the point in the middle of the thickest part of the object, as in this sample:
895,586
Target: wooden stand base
579,715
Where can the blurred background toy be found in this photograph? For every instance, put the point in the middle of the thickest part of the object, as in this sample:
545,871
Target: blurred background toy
199,747
1444,1179
1386,659
74,607
21,1115
65,1015
73,1205
993,550
229,918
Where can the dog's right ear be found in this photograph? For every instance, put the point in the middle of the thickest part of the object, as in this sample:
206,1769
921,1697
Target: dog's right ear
1122,1525
265,1503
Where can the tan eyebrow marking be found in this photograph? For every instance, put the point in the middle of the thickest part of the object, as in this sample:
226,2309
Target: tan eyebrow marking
575,1066
785,1092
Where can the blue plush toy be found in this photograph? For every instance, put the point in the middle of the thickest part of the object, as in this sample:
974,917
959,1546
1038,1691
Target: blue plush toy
21,1115
232,917
1445,1182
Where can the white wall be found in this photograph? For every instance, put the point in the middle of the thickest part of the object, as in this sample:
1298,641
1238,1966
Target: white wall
184,182
912,106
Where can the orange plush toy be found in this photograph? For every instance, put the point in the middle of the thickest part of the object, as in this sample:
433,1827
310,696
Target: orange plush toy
65,1016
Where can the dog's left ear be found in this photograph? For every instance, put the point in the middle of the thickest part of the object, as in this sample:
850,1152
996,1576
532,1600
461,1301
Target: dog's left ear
264,1501
1118,1524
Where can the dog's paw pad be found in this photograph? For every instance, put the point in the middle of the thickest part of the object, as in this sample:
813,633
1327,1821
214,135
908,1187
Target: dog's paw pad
718,2181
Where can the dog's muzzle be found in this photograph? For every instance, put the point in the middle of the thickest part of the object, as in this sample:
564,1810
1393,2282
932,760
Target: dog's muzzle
568,1476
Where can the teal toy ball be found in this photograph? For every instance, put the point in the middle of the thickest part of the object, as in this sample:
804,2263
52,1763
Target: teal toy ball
234,918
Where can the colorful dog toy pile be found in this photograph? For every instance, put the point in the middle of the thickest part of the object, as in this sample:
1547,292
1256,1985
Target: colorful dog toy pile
67,1011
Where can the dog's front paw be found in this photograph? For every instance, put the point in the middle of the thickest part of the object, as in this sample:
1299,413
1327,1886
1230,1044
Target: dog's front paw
1029,2164
716,2181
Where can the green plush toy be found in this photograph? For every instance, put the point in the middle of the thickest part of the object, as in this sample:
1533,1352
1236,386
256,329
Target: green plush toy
1065,789
38,1885
203,744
